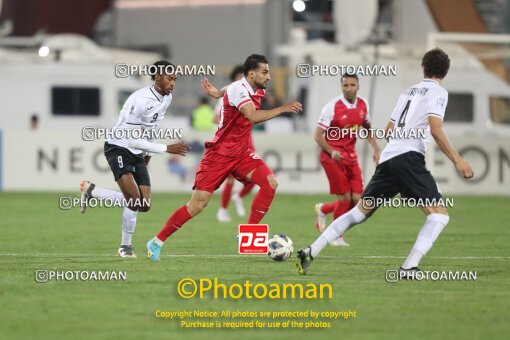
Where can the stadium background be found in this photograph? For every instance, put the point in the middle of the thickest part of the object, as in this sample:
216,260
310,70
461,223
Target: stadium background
53,50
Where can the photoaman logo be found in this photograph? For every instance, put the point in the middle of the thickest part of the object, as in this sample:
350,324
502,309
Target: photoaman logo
253,238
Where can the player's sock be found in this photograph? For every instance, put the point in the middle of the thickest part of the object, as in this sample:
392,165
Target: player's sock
336,228
264,197
328,208
174,223
225,194
341,208
430,231
128,225
102,193
246,189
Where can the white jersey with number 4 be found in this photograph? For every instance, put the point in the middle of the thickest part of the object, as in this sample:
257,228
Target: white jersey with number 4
144,109
411,118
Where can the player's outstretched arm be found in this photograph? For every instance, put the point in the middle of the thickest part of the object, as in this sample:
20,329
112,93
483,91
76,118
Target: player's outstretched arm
210,90
436,129
180,148
321,141
144,145
258,116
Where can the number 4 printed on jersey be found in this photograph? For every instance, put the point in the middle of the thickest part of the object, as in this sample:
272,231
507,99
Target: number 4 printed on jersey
403,115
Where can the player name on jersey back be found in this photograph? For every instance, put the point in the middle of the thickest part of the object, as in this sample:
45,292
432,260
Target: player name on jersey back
411,115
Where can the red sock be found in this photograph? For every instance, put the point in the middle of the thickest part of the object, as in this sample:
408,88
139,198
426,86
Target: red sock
341,208
226,193
264,197
246,189
328,207
174,223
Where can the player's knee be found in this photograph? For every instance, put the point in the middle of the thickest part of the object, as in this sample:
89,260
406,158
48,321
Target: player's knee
196,207
144,208
273,183
133,202
345,197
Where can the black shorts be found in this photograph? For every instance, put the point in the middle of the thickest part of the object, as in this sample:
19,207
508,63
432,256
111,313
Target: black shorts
123,161
405,174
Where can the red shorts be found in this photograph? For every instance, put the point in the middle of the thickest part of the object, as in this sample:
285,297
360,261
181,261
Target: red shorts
215,168
343,178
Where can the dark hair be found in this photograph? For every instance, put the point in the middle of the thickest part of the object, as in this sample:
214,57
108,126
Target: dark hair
239,69
349,75
160,65
204,100
252,63
435,63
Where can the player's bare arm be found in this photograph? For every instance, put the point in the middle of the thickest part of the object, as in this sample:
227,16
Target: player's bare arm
258,116
210,90
387,130
373,142
437,131
180,148
320,139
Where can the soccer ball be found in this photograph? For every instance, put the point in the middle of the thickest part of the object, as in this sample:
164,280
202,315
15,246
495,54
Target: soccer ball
280,247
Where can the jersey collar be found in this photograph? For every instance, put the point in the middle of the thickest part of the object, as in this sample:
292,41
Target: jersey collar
245,83
430,81
348,104
155,93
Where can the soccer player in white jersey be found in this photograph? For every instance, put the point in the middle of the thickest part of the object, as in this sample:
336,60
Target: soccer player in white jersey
129,152
402,168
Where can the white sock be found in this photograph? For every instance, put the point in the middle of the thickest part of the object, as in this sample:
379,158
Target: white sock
336,228
428,234
102,193
128,225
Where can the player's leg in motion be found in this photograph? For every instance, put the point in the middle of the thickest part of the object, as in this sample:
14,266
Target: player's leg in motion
222,214
138,198
338,227
340,185
198,202
342,206
237,199
264,178
437,219
132,199
322,210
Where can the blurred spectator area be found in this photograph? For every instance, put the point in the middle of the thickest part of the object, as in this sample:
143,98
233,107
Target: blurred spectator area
53,16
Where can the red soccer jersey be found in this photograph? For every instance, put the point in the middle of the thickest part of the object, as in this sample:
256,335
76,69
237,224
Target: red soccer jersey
233,137
341,115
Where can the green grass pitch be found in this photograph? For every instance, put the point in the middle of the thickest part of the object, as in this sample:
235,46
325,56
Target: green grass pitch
35,234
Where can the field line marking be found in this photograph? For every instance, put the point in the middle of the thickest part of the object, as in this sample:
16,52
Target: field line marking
240,256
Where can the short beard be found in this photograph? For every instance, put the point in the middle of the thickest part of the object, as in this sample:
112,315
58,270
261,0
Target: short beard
260,86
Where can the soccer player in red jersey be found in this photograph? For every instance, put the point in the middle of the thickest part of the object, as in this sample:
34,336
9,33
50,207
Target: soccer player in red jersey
231,151
336,135
226,194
